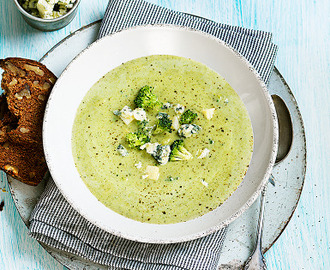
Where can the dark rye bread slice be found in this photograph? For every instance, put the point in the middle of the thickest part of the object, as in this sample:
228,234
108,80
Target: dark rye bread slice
26,164
7,120
26,84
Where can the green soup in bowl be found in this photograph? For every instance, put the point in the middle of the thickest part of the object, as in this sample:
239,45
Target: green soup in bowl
184,189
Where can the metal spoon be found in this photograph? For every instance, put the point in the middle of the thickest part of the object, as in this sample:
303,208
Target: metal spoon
285,129
257,261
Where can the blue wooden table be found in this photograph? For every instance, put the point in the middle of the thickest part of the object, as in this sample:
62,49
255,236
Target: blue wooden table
301,30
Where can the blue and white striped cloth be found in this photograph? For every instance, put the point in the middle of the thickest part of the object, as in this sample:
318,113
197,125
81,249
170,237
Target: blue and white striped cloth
55,223
256,46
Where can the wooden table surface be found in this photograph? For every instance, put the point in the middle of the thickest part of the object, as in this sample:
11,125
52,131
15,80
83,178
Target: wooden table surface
301,30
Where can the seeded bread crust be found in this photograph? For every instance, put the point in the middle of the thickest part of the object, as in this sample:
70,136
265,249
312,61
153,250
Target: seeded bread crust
27,85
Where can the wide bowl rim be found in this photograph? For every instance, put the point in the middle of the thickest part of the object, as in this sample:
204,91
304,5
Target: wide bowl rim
233,216
47,21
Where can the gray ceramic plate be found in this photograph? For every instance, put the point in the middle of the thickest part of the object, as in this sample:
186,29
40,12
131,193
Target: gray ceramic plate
281,200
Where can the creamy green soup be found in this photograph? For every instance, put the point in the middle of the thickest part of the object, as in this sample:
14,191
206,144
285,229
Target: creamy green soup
185,189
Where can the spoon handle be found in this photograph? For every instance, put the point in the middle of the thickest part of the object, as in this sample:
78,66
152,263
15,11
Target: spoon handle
256,261
261,217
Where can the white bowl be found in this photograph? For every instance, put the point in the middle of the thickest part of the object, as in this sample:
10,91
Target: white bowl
111,51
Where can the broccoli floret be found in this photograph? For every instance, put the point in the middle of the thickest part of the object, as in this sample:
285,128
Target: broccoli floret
136,139
146,98
187,130
188,117
164,123
179,152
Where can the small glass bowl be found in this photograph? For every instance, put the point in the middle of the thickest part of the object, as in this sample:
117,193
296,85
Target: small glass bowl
48,24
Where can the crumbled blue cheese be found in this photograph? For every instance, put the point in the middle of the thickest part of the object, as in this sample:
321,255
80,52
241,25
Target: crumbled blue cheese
162,115
163,154
204,183
167,105
203,153
122,150
223,100
187,130
208,113
149,147
151,172
178,108
175,123
149,129
140,114
160,153
127,115
47,9
138,165
171,178
116,112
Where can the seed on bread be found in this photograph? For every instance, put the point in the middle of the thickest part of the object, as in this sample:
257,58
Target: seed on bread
41,97
24,130
23,93
11,169
35,69
16,71
13,82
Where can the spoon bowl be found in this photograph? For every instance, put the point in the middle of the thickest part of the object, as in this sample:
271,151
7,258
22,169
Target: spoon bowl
285,129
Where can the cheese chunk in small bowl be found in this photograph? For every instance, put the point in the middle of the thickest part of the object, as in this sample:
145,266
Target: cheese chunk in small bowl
48,15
